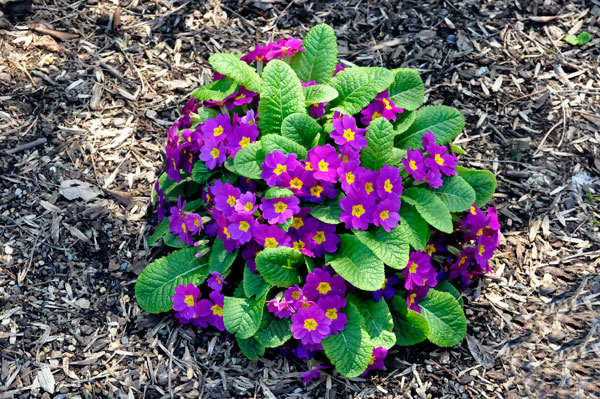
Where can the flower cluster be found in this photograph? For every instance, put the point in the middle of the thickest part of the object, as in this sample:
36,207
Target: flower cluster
200,312
431,165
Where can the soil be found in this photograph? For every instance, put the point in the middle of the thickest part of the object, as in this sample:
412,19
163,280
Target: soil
87,90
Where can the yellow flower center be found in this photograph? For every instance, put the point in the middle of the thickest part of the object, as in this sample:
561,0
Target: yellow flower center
280,169
189,300
184,227
413,165
306,305
280,207
217,310
215,153
319,238
439,160
249,206
413,267
387,104
369,187
308,166
297,222
244,141
241,96
218,131
413,297
299,245
473,210
372,360
350,177
310,324
479,232
296,295
174,163
358,210
197,223
462,260
375,115
348,134
384,215
244,226
383,285
323,166
481,250
331,314
226,233
316,191
271,242
231,200
296,183
323,287
430,249
388,186
345,158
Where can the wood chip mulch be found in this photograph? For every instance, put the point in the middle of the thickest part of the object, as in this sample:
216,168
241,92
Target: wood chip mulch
87,90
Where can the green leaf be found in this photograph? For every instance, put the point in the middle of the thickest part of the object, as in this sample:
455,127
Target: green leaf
456,194
161,230
358,86
408,90
156,284
300,128
350,350
445,317
328,211
281,95
482,181
202,114
272,142
380,136
446,286
279,266
231,66
416,228
173,241
578,40
242,316
355,262
276,192
397,155
392,248
456,149
431,207
200,173
378,322
247,160
220,261
410,327
251,347
319,94
216,91
572,40
319,59
276,334
445,123
254,284
403,121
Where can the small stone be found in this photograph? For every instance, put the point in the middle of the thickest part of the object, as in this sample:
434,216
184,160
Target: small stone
451,39
124,340
83,303
123,266
8,250
70,256
18,192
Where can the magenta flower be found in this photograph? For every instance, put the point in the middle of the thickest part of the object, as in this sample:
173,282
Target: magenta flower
462,267
357,211
277,167
346,133
331,305
317,110
312,374
184,302
191,106
278,210
299,218
285,48
271,236
367,184
389,110
338,68
161,205
216,281
386,215
177,223
320,283
192,140
280,308
213,153
310,325
243,96
215,317
241,227
218,128
259,54
387,290
324,161
243,135
372,112
293,295
414,163
323,236
415,296
486,246
225,197
446,163
222,227
348,154
246,203
376,362
302,241
297,181
419,272
349,173
433,177
389,182
193,222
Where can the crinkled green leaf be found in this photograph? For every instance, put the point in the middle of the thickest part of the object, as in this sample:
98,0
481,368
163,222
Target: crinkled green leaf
446,286
408,90
380,136
358,86
319,59
254,284
201,115
482,181
247,160
220,261
378,322
242,316
276,334
392,248
251,347
281,95
444,122
279,266
319,94
216,91
231,66
200,173
430,206
173,241
456,194
156,284
355,262
416,228
403,121
410,327
445,317
350,350
327,211
276,192
300,128
274,142
159,232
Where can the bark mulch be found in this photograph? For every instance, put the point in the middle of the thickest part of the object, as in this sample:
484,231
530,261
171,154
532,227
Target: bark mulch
87,90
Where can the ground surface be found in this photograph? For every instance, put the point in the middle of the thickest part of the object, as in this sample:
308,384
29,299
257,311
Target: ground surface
75,211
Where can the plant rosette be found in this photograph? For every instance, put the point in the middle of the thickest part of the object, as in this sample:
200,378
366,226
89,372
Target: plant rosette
318,209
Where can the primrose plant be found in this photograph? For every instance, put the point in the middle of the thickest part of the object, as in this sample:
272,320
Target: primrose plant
318,209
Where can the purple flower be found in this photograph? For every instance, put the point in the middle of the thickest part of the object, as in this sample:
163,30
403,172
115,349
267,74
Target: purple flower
243,135
389,110
222,227
184,302
310,325
486,246
213,153
324,161
331,305
271,236
320,283
172,152
414,163
323,236
298,219
246,203
241,227
389,182
297,181
372,112
433,177
293,295
319,190
225,197
161,208
446,163
215,281
312,374
357,211
302,352
244,96
317,110
280,308
214,309
419,272
218,128
193,223
302,241
249,254
192,140
277,167
259,54
386,215
191,106
278,210
285,48
414,297
376,362
349,173
177,223
387,290
367,184
348,154
338,68
346,133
